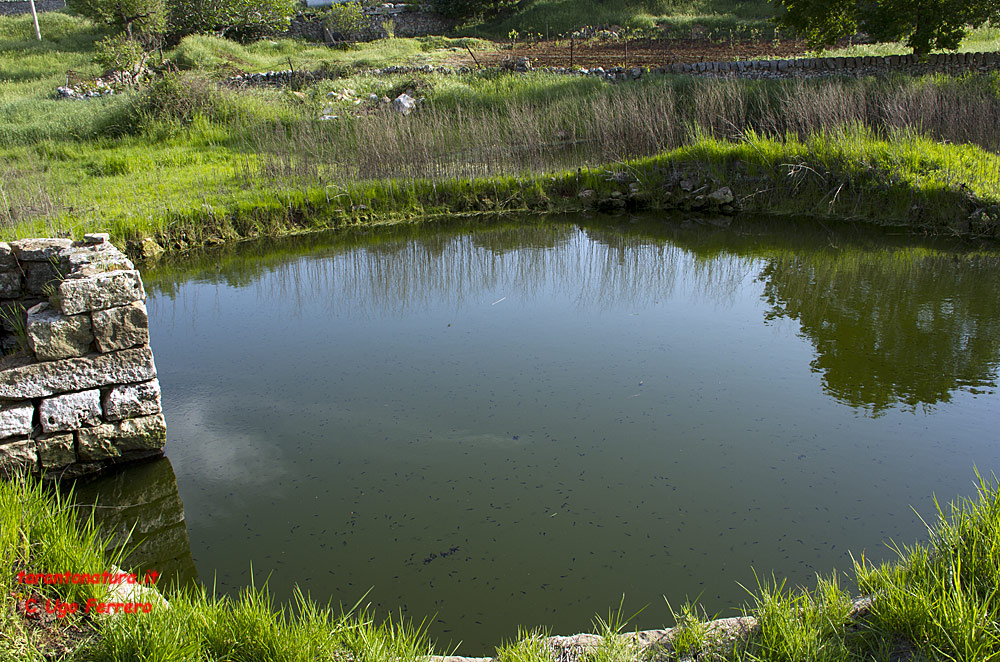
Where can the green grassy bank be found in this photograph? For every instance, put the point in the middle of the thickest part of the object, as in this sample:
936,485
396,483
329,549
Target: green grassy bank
187,161
938,601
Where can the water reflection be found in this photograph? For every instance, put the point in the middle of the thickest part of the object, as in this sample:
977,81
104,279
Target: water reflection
893,323
892,328
139,507
578,409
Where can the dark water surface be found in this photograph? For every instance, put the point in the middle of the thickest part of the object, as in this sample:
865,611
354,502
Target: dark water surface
520,422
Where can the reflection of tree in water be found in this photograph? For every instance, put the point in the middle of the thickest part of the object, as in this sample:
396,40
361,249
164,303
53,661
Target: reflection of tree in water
892,327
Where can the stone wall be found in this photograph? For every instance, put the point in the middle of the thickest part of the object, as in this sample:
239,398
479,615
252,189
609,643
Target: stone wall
16,7
405,23
78,388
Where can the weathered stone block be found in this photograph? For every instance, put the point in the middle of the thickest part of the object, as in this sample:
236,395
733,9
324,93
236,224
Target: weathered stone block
96,238
40,276
7,260
55,336
52,377
55,451
18,457
103,290
110,440
71,411
89,260
15,419
39,250
131,400
10,284
121,327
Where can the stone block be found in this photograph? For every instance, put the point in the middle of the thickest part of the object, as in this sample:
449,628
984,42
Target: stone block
56,450
54,336
10,284
71,411
103,290
88,260
15,419
38,380
110,440
18,457
121,327
96,238
7,260
39,250
39,277
131,401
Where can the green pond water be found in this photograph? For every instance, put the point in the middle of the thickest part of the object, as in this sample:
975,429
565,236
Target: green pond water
519,422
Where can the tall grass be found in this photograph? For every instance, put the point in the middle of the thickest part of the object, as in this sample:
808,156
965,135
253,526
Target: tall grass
458,135
39,532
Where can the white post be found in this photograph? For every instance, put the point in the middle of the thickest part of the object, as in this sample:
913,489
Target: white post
34,14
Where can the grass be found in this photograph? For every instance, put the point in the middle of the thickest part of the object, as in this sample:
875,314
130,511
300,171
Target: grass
674,18
938,600
187,161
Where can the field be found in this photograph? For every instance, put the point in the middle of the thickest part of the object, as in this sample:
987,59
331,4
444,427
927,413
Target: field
631,53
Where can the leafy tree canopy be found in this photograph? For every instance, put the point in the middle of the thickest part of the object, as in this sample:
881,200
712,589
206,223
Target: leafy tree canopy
243,20
923,24
135,17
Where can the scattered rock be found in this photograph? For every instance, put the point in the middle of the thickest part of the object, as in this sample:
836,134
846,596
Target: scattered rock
404,104
721,196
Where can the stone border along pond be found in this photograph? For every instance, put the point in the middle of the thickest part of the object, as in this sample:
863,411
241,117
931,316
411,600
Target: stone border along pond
78,392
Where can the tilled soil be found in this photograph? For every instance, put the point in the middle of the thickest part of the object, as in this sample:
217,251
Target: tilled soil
594,53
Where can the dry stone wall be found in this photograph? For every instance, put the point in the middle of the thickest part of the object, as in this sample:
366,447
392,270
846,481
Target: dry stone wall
17,7
78,387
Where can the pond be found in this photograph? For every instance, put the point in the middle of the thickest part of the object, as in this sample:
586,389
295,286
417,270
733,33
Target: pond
520,422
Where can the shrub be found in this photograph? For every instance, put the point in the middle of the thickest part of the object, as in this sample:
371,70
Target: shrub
120,53
345,20
242,20
134,17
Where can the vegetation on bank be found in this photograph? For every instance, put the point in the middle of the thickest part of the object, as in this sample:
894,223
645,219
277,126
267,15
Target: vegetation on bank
939,600
188,161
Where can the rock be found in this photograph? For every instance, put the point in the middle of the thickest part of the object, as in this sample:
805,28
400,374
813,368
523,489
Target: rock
636,73
39,276
111,440
18,457
55,451
131,401
10,284
70,411
586,194
103,290
150,249
88,260
688,184
96,238
7,260
54,336
15,419
722,196
404,104
39,250
121,327
38,380
523,65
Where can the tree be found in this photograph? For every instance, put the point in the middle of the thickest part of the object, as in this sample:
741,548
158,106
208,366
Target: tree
134,17
469,9
244,20
923,24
